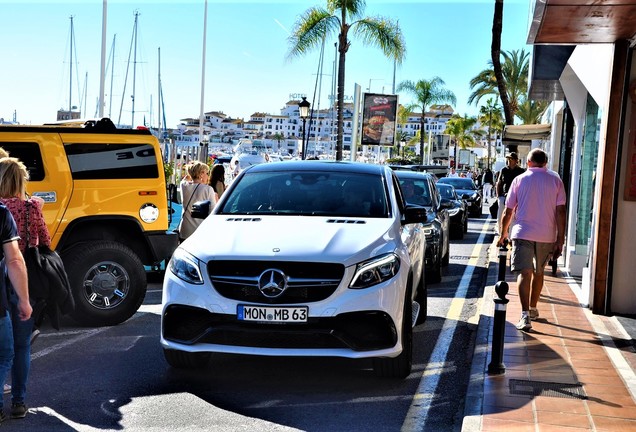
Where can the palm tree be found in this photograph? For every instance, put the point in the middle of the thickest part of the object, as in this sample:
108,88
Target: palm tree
515,74
278,137
339,18
427,93
490,114
461,128
495,56
530,111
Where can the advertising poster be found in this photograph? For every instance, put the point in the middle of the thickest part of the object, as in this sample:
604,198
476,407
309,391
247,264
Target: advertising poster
378,119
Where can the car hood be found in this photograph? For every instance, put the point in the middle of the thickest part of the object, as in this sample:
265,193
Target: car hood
293,238
461,192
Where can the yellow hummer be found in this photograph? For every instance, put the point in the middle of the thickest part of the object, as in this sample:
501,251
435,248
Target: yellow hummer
105,205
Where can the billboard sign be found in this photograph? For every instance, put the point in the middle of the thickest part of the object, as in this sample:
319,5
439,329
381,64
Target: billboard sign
378,119
440,147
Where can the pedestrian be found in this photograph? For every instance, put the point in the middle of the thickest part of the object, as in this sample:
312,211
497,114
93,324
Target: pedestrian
13,264
217,179
30,224
487,181
197,190
505,178
453,173
538,200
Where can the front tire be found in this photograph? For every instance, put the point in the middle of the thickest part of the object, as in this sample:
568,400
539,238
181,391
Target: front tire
108,282
400,366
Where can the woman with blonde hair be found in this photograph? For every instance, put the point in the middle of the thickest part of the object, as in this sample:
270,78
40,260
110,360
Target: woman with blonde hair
197,190
27,213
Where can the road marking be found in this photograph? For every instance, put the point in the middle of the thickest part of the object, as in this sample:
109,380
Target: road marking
82,334
418,412
67,342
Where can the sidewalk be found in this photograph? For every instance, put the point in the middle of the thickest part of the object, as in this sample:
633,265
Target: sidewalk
565,374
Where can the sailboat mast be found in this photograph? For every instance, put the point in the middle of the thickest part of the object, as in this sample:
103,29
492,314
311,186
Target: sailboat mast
204,150
112,74
102,69
159,90
70,86
132,121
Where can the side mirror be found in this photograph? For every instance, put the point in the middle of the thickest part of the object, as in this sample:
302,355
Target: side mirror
201,209
414,214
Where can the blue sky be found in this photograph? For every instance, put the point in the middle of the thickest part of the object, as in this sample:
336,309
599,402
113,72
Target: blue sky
247,69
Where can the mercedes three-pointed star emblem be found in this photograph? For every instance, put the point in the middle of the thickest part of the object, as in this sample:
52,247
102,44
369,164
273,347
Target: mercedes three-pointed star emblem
272,283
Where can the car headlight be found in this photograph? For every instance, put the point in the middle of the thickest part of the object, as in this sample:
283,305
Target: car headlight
475,196
453,212
375,271
186,267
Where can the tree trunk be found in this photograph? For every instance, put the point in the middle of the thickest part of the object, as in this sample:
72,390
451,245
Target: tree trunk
340,108
495,52
422,121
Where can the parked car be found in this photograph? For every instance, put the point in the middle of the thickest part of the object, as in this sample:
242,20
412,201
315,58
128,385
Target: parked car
303,258
419,189
456,210
468,191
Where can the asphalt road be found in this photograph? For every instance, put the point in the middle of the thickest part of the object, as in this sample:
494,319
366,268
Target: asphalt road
115,378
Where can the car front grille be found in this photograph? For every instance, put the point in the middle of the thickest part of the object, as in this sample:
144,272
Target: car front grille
306,282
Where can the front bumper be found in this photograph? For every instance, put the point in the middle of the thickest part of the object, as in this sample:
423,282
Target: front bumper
352,323
357,331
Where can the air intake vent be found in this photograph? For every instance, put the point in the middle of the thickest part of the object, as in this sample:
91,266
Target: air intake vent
244,219
345,221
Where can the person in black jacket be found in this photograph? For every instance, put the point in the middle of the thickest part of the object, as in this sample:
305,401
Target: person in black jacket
504,180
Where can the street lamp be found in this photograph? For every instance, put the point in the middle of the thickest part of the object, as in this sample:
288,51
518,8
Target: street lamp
303,107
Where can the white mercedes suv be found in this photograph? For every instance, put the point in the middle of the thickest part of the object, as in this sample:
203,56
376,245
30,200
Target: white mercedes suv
306,258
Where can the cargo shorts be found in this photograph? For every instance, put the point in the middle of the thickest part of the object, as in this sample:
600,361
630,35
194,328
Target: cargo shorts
531,255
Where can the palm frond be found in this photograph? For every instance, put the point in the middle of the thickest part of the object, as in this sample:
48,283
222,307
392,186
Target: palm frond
310,29
381,33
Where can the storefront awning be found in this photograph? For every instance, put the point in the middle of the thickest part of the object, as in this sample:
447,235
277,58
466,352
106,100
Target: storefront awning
526,132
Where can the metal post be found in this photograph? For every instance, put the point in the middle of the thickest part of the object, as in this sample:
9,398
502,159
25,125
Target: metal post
304,151
496,365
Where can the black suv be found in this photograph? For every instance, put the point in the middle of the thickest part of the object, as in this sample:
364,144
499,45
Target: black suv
419,189
468,191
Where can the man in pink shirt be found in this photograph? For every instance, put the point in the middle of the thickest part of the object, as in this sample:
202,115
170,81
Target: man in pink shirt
537,200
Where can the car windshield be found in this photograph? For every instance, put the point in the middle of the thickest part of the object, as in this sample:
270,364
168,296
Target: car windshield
415,191
459,182
308,193
446,191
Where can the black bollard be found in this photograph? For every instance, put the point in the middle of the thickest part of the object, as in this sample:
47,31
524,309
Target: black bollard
496,365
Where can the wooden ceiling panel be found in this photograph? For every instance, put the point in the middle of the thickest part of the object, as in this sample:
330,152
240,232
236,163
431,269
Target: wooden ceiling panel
600,22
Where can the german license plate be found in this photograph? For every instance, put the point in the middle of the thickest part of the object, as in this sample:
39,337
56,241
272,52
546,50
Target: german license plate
275,314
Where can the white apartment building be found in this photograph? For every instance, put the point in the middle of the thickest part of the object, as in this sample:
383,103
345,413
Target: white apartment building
283,132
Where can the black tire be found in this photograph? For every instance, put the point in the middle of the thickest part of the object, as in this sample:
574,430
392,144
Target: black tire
446,258
465,225
186,360
458,233
400,366
108,282
434,275
421,297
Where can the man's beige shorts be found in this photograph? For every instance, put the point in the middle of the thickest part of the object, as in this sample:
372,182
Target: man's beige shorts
526,253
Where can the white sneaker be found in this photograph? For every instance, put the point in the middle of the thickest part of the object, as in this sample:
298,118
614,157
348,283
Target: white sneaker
524,323
534,313
7,389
